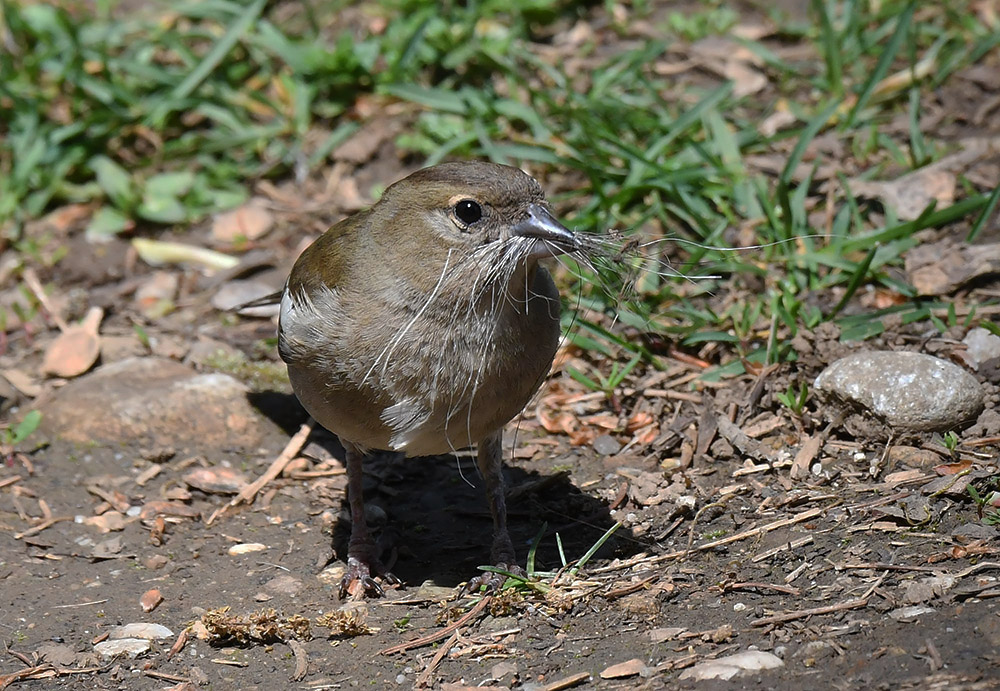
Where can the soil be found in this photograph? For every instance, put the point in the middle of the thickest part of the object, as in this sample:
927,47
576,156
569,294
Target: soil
858,562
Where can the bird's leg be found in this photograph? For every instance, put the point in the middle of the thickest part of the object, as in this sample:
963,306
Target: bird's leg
362,556
490,459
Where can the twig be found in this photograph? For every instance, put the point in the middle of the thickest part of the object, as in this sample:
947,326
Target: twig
789,546
891,567
738,438
630,588
438,635
36,287
567,682
248,493
934,657
721,504
977,567
804,613
166,677
875,585
37,672
42,526
43,671
81,604
425,677
301,659
753,532
787,589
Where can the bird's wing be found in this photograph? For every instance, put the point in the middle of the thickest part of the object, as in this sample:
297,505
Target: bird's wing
264,301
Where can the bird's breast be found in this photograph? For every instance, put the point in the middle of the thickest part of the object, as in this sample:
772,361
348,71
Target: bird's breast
425,379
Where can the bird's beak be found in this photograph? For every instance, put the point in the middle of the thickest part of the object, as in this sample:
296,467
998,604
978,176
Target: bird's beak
551,237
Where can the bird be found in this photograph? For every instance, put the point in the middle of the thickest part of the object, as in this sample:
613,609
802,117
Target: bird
423,325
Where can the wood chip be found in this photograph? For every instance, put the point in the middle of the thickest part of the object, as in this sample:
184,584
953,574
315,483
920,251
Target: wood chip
150,600
804,458
622,670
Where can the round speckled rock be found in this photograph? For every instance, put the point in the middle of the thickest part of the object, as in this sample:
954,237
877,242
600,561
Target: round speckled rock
910,392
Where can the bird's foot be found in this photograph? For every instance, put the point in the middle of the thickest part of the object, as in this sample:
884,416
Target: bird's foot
360,578
490,582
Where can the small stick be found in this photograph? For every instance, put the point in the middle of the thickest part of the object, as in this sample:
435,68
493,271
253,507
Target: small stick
81,604
788,590
301,659
438,635
753,532
976,567
166,677
567,682
875,585
803,613
630,588
48,523
425,677
36,672
738,438
36,287
934,656
891,567
248,493
794,544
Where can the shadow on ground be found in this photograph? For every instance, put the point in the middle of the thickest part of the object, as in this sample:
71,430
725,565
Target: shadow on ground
430,515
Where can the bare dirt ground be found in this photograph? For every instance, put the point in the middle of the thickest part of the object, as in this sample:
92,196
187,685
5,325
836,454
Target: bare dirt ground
857,561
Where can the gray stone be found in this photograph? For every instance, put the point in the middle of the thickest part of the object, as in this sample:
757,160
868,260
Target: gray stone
911,613
980,346
740,664
153,401
910,392
149,632
606,445
128,647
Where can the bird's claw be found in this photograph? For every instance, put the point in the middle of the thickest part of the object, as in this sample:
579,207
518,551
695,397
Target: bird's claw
490,582
359,579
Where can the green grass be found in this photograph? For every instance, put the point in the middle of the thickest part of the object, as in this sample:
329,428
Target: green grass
161,120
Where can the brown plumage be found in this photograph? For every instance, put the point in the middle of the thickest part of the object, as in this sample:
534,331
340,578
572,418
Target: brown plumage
424,324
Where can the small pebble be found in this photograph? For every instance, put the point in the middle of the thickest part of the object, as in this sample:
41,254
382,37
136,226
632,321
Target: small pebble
130,647
151,632
981,345
606,445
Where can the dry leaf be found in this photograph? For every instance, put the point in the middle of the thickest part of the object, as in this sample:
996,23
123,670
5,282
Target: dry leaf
249,222
216,480
75,350
910,194
804,458
952,468
155,297
22,382
624,669
112,521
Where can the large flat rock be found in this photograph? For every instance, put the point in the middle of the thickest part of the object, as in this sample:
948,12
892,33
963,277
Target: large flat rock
154,401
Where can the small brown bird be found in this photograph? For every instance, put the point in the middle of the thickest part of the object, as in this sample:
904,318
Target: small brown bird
423,325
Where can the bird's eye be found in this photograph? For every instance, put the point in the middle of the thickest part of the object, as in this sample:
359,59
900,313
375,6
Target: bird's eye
468,211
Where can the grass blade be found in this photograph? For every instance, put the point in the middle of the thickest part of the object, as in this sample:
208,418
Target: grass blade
884,63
